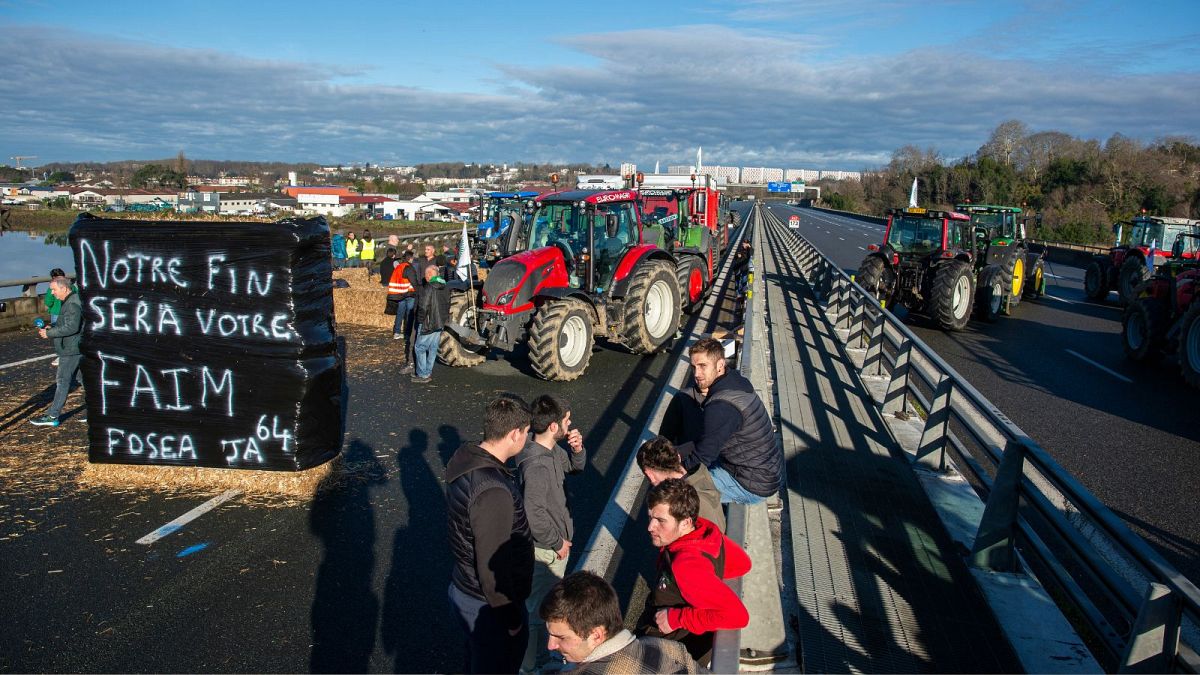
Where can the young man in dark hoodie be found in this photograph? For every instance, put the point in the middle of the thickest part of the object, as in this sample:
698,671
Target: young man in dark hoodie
737,442
491,542
542,466
433,311
690,600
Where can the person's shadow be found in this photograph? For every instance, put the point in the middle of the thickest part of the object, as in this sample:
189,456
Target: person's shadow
345,610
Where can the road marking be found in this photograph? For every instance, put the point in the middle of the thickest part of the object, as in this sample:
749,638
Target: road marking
1101,367
18,363
841,239
1055,276
861,248
178,523
1055,297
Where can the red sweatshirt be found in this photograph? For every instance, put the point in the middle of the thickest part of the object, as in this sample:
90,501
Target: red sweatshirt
712,605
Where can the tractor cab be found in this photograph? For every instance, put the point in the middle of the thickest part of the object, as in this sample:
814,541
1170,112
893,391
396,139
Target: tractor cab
916,233
499,212
591,229
1127,264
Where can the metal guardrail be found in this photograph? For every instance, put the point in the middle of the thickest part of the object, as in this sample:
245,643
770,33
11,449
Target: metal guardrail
1140,610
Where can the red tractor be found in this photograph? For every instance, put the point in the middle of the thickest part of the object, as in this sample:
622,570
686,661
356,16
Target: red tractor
1124,267
586,269
1165,317
672,222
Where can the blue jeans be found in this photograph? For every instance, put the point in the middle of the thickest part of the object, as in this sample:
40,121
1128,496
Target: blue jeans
490,649
730,489
404,316
425,352
68,373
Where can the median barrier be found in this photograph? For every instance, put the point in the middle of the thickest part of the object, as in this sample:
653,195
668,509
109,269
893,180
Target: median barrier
1027,523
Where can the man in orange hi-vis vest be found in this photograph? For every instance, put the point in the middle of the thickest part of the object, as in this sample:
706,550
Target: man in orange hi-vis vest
402,288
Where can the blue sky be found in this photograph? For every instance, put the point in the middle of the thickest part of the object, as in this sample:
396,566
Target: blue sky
820,84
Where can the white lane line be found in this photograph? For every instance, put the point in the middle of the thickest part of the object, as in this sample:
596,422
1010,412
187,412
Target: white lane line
178,523
1055,297
841,239
1055,276
19,363
861,248
1101,367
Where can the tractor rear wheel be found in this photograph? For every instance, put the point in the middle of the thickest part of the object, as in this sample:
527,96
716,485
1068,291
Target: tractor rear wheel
1189,345
1015,280
1143,327
1035,283
951,295
692,279
1095,281
651,307
989,297
1133,273
560,340
451,351
875,277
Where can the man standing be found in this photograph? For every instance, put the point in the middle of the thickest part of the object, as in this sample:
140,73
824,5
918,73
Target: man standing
66,335
583,617
366,253
353,249
737,442
402,289
426,260
690,600
433,310
542,467
490,540
659,461
386,266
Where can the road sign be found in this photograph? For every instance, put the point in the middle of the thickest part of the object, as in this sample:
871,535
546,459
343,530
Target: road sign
794,223
779,187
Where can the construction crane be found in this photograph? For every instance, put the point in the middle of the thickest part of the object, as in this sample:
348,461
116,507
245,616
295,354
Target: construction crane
18,159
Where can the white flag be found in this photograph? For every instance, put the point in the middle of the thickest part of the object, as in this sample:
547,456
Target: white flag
464,256
912,196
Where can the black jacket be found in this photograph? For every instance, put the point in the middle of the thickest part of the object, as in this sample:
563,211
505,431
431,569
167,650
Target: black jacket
69,330
738,432
433,307
684,419
385,269
489,535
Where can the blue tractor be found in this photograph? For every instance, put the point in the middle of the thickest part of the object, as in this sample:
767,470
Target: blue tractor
500,211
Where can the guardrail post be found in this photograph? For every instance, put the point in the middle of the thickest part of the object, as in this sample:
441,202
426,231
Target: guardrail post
1154,638
875,345
995,540
858,321
935,434
896,398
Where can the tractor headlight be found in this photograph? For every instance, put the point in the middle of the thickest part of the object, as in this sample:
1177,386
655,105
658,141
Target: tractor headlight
505,298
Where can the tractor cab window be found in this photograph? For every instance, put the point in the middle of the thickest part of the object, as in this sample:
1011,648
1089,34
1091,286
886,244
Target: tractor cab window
1186,246
913,234
614,227
558,222
992,223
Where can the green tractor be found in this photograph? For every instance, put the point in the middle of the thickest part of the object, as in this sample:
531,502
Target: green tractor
1000,233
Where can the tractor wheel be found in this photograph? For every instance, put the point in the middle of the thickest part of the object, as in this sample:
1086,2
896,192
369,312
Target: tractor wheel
1143,327
692,280
1014,285
1133,273
951,295
560,340
989,296
1035,283
1189,345
1095,281
651,307
451,351
875,277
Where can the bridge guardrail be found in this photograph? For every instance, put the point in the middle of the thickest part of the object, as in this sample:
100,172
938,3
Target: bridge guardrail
1140,610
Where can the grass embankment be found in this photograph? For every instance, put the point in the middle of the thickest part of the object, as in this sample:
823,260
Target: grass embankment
53,221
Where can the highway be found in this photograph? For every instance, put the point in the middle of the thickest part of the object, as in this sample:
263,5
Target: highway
1056,367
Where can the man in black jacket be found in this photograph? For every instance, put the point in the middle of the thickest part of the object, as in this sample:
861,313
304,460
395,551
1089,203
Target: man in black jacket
737,442
433,311
491,541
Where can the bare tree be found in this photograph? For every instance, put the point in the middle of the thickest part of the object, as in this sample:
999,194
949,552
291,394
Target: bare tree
1004,141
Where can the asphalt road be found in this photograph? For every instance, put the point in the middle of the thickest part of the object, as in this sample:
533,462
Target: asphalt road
1056,367
354,581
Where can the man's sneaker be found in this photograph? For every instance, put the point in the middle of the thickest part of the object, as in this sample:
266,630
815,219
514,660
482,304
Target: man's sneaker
44,421
396,336
407,369
421,380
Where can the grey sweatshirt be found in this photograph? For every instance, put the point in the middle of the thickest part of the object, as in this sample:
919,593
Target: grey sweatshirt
541,472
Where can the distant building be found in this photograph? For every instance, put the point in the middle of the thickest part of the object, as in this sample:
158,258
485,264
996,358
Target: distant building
295,190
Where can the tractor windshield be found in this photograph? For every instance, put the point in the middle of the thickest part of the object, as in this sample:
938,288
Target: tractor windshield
997,223
913,234
1150,233
559,221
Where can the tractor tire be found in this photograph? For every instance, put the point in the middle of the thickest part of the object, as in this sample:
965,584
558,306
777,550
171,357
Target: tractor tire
561,340
1095,281
1143,328
1014,286
951,295
875,277
692,280
651,307
451,351
1133,273
1035,283
989,295
1189,345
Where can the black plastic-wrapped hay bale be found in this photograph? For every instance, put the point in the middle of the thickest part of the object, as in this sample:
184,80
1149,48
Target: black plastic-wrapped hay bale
209,344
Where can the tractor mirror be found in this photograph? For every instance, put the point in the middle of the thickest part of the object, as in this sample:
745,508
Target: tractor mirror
1022,230
610,225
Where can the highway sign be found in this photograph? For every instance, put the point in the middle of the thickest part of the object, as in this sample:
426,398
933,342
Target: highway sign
779,187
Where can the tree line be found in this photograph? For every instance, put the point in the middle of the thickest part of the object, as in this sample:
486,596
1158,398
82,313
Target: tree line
1079,187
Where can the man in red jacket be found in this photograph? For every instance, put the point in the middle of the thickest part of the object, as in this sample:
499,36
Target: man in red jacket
690,599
